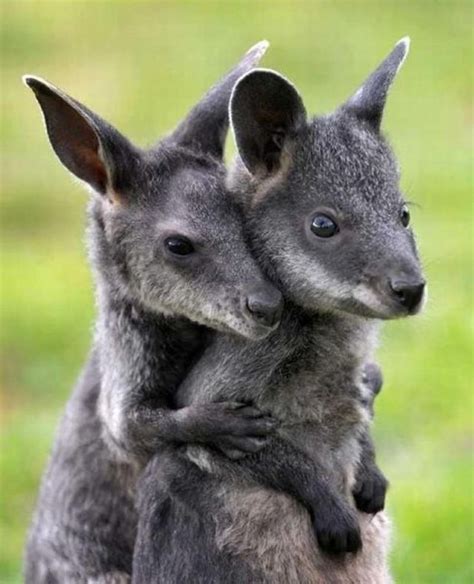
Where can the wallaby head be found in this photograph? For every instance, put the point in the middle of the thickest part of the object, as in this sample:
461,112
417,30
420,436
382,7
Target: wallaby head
324,195
164,230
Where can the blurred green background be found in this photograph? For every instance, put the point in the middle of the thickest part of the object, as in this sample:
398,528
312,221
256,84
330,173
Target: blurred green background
142,65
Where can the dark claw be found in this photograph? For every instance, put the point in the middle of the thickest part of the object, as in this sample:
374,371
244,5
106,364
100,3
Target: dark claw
354,541
340,542
244,426
337,530
262,426
370,493
249,411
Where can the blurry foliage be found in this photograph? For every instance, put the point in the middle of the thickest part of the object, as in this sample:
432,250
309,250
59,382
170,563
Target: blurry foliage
141,65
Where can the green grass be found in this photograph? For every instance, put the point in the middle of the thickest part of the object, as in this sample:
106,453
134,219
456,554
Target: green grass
142,65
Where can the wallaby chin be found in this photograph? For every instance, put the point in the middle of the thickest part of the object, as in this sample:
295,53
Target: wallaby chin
235,320
234,326
368,303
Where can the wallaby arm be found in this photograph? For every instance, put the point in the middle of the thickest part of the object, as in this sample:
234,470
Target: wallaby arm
371,485
281,465
143,358
243,369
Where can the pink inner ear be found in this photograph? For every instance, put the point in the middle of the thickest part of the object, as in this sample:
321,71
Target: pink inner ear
91,160
271,116
73,139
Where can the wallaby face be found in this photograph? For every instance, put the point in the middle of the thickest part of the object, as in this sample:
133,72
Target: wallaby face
164,230
178,247
327,204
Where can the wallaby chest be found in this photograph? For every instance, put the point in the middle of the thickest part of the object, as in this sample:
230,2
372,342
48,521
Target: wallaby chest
316,384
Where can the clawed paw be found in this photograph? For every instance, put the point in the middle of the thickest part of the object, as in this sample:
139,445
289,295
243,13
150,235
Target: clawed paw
337,531
369,493
238,429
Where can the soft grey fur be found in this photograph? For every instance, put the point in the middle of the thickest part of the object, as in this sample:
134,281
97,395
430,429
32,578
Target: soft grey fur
152,308
211,520
119,414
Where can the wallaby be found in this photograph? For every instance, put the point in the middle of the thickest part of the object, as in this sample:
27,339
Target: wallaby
330,228
161,231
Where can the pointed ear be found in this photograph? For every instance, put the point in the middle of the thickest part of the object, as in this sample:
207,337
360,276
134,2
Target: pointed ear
206,125
369,100
266,112
87,145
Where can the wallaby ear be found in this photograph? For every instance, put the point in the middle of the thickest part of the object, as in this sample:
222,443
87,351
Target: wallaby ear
87,145
266,111
206,125
369,100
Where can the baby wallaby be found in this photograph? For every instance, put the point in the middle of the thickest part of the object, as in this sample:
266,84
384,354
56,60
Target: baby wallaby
330,228
170,260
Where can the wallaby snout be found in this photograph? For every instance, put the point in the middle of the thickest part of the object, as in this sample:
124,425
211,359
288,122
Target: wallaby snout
264,305
408,293
403,282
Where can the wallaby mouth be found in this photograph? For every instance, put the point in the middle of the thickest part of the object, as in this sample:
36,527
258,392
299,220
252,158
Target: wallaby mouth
395,297
258,313
264,306
245,326
409,294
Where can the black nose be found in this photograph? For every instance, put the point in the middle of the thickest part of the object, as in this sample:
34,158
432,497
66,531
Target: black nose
408,294
265,306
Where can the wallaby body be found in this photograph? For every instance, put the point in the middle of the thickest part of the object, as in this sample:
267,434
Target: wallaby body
148,210
330,228
217,523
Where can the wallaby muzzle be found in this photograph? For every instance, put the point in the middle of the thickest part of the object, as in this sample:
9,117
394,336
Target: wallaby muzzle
264,305
409,293
405,286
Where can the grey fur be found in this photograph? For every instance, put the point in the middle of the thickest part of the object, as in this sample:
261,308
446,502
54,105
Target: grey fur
212,520
153,312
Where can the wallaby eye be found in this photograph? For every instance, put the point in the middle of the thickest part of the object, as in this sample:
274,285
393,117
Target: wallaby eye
179,245
324,226
405,216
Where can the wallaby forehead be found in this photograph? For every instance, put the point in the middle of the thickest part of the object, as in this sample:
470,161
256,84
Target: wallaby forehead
191,196
339,163
187,193
345,162
169,161
171,177
194,182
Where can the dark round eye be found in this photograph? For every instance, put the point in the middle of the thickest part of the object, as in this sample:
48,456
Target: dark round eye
324,226
179,246
405,216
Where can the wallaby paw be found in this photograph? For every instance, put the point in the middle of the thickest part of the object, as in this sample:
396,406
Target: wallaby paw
369,493
372,378
234,428
337,531
234,419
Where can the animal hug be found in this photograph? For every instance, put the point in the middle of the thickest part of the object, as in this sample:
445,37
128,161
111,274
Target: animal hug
220,430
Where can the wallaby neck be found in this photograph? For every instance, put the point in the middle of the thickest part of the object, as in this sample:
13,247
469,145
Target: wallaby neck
345,336
128,335
118,316
351,332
